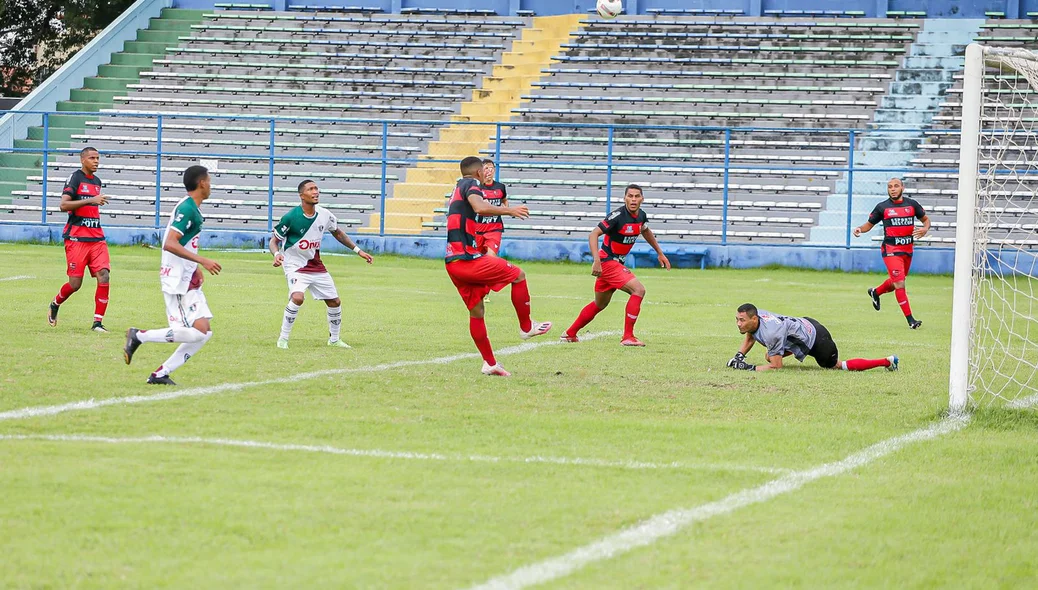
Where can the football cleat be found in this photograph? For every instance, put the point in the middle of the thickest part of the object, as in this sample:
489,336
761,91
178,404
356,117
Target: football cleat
163,380
568,338
52,315
131,344
632,341
893,362
282,342
875,298
915,324
337,343
536,329
99,327
497,370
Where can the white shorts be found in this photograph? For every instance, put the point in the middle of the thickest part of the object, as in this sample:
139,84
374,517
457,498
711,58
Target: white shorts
320,284
184,310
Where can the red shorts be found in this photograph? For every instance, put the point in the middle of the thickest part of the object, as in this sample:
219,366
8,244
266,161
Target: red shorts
897,267
83,255
489,242
614,276
475,278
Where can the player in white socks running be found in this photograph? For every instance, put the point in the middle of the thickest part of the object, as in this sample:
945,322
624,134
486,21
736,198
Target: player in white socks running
296,246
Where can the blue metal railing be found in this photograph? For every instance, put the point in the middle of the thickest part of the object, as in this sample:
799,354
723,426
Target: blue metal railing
726,144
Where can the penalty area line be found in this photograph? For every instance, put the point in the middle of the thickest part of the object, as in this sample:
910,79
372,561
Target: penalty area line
384,454
17,278
37,411
674,521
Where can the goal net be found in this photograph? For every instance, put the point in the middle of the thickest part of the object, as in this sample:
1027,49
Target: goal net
995,310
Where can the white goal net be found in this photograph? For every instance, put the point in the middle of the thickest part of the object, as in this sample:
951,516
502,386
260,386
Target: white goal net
997,250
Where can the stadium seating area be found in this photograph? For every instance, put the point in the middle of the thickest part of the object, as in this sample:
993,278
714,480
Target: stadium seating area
800,81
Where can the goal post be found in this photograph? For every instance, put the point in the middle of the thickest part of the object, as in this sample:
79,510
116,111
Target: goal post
994,336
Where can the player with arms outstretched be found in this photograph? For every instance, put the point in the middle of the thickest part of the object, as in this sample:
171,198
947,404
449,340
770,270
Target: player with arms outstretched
181,278
800,337
85,245
296,246
621,230
474,274
898,214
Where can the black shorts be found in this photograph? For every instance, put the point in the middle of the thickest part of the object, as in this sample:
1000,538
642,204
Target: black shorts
824,350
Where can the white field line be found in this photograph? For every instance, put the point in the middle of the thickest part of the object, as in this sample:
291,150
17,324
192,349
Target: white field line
383,454
671,522
17,278
36,411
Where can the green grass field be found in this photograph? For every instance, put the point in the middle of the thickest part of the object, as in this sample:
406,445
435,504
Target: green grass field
430,475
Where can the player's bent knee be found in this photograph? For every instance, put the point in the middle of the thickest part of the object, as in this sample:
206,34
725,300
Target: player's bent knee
899,285
202,325
478,311
521,277
297,298
332,302
103,275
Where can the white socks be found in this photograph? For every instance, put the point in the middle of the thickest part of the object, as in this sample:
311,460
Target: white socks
177,334
182,353
334,322
291,311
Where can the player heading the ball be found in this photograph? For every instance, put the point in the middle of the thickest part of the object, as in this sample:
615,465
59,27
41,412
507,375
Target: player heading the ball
296,246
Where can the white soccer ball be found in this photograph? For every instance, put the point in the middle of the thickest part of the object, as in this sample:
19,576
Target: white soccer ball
610,8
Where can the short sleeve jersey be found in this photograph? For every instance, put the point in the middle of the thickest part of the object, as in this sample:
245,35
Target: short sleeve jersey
301,237
782,334
461,222
621,230
84,224
495,194
898,219
185,222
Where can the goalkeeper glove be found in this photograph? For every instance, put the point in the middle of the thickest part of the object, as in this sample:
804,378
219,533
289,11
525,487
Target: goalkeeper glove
741,364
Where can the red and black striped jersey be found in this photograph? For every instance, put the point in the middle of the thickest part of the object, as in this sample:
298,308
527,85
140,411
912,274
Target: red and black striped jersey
621,230
84,224
461,222
898,219
495,194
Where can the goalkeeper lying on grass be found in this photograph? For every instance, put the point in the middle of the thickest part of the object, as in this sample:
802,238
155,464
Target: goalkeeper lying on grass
800,337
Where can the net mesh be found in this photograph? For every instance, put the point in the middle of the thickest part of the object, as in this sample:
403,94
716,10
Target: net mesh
1004,336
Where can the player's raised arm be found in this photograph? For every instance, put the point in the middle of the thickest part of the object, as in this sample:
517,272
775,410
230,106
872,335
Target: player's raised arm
482,207
345,240
651,239
172,245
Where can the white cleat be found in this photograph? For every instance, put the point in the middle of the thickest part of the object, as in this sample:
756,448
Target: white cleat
497,370
536,329
282,342
338,343
893,362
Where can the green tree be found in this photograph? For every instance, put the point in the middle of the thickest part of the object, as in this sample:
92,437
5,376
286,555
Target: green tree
39,35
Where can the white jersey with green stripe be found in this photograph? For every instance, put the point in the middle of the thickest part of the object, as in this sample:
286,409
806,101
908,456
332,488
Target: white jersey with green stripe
301,238
185,221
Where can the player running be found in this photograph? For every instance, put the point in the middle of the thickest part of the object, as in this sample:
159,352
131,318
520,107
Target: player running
296,246
85,245
490,227
181,280
801,337
475,274
621,230
898,214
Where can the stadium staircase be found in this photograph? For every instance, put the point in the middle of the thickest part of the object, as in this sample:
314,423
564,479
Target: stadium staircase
415,200
98,92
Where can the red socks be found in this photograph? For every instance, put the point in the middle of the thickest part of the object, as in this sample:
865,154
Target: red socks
902,300
100,301
634,307
886,287
521,302
586,315
64,293
864,364
478,330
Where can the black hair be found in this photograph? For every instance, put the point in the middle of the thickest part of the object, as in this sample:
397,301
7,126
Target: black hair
635,187
748,309
87,150
470,164
193,175
489,161
302,185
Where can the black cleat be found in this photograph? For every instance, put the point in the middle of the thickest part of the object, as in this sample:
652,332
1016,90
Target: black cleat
164,380
131,345
915,324
875,298
99,327
52,315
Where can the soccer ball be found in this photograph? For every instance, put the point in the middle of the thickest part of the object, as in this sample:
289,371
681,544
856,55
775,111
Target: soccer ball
610,8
